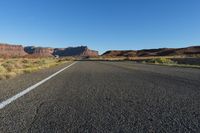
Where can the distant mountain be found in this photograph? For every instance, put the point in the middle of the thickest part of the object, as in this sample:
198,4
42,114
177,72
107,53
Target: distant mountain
84,51
153,52
19,50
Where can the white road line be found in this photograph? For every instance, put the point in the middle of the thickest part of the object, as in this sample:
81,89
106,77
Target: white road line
20,94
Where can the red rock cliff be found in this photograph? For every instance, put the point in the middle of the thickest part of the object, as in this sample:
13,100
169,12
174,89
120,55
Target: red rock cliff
43,51
18,50
75,51
11,50
39,51
91,53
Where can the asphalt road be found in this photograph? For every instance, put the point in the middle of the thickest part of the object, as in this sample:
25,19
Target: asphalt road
104,97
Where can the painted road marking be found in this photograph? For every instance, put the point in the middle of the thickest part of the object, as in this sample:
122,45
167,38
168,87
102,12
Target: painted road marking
20,94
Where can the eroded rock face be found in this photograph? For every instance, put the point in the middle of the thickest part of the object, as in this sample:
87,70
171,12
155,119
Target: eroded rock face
31,51
39,51
61,52
90,53
43,51
11,50
75,51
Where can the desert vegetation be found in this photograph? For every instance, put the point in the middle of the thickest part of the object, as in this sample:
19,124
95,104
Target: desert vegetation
173,62
14,66
180,61
161,61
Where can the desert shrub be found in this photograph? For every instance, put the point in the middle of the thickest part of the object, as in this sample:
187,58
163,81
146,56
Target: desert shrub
40,62
66,59
25,61
162,61
10,75
127,58
27,65
30,70
18,71
60,60
144,61
8,65
2,69
7,75
18,65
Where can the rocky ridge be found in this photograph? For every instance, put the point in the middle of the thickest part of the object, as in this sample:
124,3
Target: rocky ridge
194,50
18,50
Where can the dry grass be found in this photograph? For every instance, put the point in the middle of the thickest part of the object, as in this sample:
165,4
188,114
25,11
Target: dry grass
138,58
171,62
192,61
9,68
161,61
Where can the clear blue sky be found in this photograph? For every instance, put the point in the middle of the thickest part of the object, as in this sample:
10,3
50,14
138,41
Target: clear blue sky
101,24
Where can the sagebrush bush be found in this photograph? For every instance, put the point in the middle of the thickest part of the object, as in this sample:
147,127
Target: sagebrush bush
18,65
30,70
162,61
10,75
25,61
2,69
9,66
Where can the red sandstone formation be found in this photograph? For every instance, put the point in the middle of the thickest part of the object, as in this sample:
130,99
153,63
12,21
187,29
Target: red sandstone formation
75,51
11,50
82,51
43,51
31,51
90,53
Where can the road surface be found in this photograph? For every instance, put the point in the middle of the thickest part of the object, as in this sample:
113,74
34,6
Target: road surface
95,96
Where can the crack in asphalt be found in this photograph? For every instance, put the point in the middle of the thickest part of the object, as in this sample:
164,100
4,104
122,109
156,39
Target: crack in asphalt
35,116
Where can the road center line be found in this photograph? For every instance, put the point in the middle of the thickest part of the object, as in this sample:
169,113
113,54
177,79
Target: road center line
20,94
